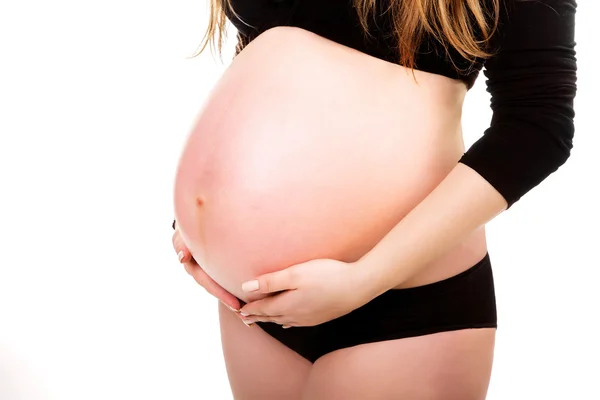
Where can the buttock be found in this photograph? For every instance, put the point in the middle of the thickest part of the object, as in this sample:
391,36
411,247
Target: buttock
464,301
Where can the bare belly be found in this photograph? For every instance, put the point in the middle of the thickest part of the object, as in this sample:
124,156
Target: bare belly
314,150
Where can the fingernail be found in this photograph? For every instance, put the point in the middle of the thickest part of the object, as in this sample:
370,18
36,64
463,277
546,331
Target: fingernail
248,324
180,255
243,314
250,286
286,326
228,306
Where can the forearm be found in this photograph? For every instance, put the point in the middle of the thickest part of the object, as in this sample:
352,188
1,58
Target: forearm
461,203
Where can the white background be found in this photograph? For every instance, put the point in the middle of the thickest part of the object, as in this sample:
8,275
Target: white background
96,99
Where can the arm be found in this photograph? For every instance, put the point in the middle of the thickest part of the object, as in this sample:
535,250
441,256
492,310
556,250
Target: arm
461,203
532,80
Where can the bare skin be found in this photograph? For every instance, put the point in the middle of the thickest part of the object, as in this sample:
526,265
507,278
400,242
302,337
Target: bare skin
319,155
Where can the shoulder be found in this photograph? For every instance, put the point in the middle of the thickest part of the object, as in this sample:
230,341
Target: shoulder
533,25
533,13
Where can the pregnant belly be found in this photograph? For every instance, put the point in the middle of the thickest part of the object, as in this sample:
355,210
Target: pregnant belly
311,152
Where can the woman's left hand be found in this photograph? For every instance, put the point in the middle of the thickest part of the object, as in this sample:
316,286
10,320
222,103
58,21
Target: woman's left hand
307,294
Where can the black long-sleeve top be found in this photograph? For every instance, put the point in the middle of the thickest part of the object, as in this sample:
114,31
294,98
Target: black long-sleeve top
531,76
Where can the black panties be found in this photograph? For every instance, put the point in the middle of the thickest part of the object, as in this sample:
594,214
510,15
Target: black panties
464,301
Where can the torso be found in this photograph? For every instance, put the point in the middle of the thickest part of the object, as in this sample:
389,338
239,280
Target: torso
338,21
312,151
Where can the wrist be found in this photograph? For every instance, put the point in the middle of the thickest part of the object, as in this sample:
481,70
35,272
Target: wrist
371,277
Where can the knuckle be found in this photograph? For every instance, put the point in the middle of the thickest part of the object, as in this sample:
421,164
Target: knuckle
178,244
290,274
268,309
266,285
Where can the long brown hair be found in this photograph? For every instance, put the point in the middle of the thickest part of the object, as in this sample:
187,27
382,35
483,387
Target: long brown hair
463,25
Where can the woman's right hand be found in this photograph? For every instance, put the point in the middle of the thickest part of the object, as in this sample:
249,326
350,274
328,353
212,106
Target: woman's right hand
192,268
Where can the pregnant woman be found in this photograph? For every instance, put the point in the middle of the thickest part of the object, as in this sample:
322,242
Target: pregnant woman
326,197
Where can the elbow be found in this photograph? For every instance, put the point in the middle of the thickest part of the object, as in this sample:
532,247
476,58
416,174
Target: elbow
562,136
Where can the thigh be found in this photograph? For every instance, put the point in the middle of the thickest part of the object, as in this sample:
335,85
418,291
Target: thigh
258,366
443,366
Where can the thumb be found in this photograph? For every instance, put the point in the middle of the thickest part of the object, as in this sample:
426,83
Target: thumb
272,282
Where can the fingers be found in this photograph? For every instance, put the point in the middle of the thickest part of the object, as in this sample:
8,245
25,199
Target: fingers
211,286
273,306
196,272
268,309
183,253
280,320
270,283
